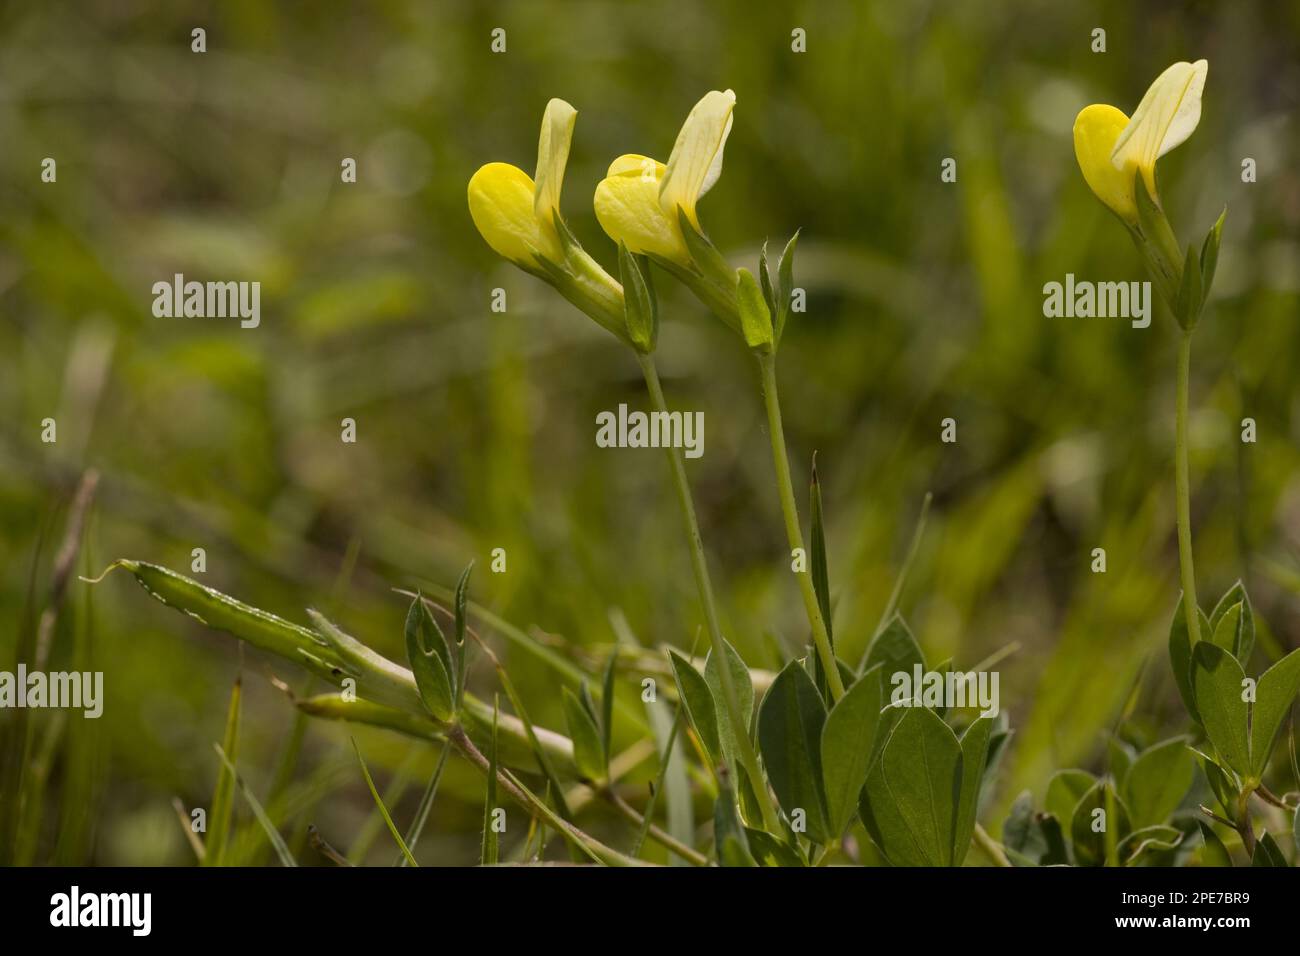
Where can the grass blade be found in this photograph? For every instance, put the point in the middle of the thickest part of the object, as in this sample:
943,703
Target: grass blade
223,797
491,853
383,810
426,804
272,834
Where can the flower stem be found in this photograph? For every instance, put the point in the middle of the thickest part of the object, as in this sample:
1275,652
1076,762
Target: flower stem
1183,494
785,490
699,563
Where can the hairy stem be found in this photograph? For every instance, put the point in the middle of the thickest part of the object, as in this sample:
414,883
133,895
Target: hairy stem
1182,492
661,837
785,490
745,748
460,740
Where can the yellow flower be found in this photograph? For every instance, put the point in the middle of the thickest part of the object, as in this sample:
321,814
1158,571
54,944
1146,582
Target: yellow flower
516,214
1112,149
637,203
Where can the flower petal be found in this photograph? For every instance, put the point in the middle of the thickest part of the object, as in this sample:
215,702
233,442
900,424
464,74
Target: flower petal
1096,129
696,160
501,205
1166,116
627,207
552,156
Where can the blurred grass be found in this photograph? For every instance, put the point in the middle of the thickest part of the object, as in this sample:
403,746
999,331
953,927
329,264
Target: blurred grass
475,430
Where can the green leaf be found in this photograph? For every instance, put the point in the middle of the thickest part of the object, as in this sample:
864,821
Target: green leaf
765,280
1091,845
1121,759
607,709
729,833
1217,683
1227,632
1267,853
755,320
1245,636
1149,846
1210,253
974,752
638,302
895,648
701,708
223,798
744,685
1274,693
430,660
848,740
1065,790
1180,655
490,854
820,572
1187,306
911,797
1157,782
785,285
586,736
1221,782
1034,837
1213,852
789,734
769,851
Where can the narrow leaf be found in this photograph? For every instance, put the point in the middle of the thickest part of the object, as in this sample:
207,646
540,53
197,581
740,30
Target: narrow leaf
1274,694
1217,683
789,733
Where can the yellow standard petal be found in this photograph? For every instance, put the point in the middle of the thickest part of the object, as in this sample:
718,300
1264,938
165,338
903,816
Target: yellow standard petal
696,160
627,207
501,204
1096,129
552,156
1167,115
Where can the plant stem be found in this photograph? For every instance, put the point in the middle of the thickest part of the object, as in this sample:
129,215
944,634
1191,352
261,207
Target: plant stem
666,840
990,846
785,490
457,737
699,563
1182,492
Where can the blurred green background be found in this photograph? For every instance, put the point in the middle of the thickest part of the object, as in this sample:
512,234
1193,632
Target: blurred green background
476,430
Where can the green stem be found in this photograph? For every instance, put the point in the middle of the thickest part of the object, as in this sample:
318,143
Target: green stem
1183,493
748,758
992,849
785,489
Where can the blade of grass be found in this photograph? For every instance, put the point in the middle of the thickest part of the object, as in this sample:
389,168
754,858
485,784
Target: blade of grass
383,810
272,834
365,837
196,844
491,852
426,804
223,797
896,595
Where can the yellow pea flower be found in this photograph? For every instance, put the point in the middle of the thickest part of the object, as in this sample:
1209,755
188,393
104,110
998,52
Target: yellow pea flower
1113,149
516,213
519,216
638,201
